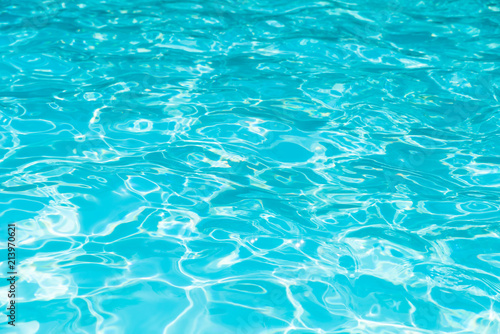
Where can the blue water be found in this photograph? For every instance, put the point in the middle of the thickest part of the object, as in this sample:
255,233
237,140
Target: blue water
251,166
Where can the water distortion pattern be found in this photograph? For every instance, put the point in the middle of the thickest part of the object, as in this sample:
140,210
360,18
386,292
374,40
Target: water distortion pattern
251,166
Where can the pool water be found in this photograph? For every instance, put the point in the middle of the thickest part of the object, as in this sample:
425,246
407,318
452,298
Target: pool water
251,166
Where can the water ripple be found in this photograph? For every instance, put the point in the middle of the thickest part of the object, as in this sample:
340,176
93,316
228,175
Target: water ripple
252,166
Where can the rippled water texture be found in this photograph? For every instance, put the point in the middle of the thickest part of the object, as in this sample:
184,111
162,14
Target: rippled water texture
252,166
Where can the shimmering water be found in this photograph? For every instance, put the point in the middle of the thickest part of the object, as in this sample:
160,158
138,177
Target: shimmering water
252,166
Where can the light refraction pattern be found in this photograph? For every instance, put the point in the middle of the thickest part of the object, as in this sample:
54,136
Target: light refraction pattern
252,166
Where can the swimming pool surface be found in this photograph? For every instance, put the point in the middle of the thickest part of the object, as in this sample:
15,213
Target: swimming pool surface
244,166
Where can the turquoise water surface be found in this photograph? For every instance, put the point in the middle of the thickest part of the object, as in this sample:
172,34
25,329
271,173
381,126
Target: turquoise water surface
251,166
